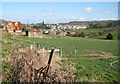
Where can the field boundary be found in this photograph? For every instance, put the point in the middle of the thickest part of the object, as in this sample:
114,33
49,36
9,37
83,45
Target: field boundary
37,45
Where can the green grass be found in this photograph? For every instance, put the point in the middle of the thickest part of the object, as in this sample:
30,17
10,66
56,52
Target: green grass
87,56
97,69
82,44
114,33
89,31
91,69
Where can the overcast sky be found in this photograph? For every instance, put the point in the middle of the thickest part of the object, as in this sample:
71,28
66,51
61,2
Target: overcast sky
58,12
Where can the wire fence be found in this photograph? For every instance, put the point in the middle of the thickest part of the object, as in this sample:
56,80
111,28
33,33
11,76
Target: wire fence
41,46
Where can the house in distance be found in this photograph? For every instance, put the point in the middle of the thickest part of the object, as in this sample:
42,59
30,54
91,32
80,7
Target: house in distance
14,28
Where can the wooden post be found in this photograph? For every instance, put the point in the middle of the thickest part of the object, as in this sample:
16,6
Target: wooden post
49,61
29,43
75,50
34,44
60,51
52,47
38,44
43,51
31,46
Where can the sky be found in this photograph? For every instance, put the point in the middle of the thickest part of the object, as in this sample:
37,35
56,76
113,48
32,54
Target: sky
59,12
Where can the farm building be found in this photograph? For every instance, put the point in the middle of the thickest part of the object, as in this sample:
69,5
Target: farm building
72,33
14,27
46,31
34,33
61,33
52,32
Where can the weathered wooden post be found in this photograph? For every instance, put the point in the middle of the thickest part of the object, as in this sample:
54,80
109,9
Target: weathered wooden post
75,50
34,44
60,51
31,46
43,51
49,62
29,43
52,47
38,44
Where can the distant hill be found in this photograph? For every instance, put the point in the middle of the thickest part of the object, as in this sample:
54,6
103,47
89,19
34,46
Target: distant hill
87,22
3,22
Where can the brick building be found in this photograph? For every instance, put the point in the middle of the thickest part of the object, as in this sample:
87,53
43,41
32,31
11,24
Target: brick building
34,33
14,27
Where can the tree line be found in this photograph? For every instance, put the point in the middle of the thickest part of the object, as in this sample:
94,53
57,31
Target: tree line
103,25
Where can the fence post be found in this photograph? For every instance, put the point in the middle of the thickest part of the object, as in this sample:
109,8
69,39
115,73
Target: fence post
52,47
34,44
38,44
31,46
60,51
43,51
29,43
75,50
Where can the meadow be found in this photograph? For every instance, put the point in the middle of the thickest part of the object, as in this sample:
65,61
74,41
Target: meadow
95,60
83,45
98,32
88,31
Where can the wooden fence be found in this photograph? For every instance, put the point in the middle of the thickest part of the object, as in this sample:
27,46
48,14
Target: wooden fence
41,46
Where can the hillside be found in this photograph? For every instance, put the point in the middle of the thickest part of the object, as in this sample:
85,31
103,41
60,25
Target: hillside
87,22
3,21
99,33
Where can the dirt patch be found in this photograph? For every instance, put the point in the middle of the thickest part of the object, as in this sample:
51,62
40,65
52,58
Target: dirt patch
96,53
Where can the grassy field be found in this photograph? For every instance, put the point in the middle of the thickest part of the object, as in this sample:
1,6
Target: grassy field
88,31
87,69
114,33
92,61
96,31
83,45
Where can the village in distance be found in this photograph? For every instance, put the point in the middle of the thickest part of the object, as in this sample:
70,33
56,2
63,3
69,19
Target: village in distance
74,28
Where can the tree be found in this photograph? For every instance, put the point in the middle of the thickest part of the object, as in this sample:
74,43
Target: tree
82,34
77,34
118,35
91,26
43,23
1,26
98,25
101,33
24,29
109,36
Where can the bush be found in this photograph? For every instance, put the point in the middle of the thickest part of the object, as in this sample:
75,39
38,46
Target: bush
24,29
109,36
93,34
82,34
1,26
101,33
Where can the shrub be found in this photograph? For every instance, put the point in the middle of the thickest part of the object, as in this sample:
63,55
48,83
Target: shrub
109,36
93,34
101,33
24,29
82,34
1,26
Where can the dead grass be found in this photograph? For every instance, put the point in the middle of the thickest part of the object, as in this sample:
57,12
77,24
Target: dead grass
29,65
